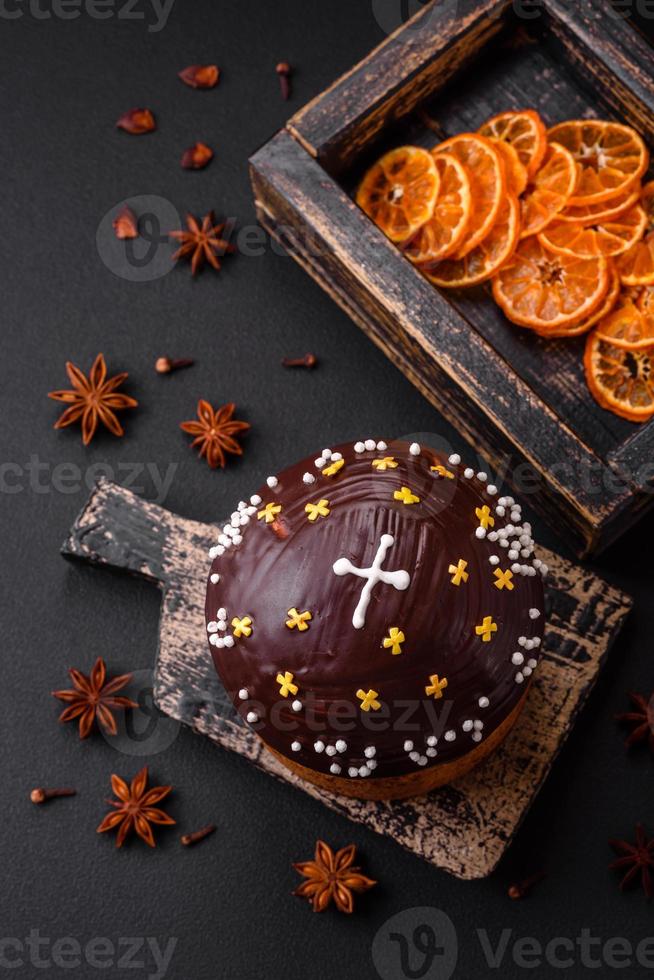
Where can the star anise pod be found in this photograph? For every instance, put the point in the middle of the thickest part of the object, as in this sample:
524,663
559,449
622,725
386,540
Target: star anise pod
331,877
636,859
94,697
93,399
201,242
214,432
134,808
642,720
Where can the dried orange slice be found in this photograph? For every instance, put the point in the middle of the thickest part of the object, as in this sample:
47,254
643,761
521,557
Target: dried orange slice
645,300
524,131
516,172
591,214
441,235
606,238
627,327
550,190
485,171
583,326
539,289
484,261
636,267
610,157
399,191
619,379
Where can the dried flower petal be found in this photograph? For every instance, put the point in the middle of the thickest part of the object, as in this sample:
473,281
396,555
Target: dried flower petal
137,121
125,224
200,76
197,157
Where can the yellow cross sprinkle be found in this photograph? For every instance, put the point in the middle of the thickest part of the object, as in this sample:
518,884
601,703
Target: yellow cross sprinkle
368,700
299,619
503,579
317,510
436,686
458,572
242,627
268,513
487,628
333,468
394,640
442,471
286,685
484,516
406,496
387,463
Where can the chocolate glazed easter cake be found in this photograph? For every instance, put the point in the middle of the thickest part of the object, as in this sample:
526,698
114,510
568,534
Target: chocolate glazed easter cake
376,616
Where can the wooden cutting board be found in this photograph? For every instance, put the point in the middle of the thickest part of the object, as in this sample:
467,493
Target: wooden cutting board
464,828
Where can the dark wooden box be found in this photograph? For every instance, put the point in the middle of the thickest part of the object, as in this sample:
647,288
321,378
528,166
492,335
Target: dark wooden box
517,398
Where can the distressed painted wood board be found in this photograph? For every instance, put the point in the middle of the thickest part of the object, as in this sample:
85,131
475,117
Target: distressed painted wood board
464,828
446,71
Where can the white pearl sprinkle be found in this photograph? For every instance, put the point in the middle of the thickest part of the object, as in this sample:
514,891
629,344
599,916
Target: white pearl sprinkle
255,500
422,761
331,750
297,706
320,462
480,533
370,445
414,756
213,552
483,702
272,482
503,543
527,671
431,752
308,478
215,578
372,764
370,752
335,768
517,659
468,473
243,694
532,663
352,772
476,736
519,678
214,640
482,477
431,740
222,613
382,446
494,559
467,725
493,535
478,724
237,538
319,746
536,641
295,746
229,641
336,457
513,554
212,627
450,735
491,489
252,717
341,745
241,505
522,641
515,568
500,511
245,519
326,454
359,447
364,771
414,449
408,745
222,625
454,459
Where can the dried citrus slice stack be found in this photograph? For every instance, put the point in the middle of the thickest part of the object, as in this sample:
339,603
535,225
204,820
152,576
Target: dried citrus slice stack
540,290
399,191
591,214
525,131
579,327
608,237
442,234
485,171
627,327
484,260
636,266
550,190
610,157
621,380
515,171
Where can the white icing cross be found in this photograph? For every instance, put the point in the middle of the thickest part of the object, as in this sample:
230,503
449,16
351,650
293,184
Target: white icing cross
399,580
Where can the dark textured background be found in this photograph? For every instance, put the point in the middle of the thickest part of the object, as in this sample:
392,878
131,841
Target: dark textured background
228,903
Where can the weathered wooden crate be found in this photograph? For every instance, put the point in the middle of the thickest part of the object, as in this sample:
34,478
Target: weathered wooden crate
510,393
464,828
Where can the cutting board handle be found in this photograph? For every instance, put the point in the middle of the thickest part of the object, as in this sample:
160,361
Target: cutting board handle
116,528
